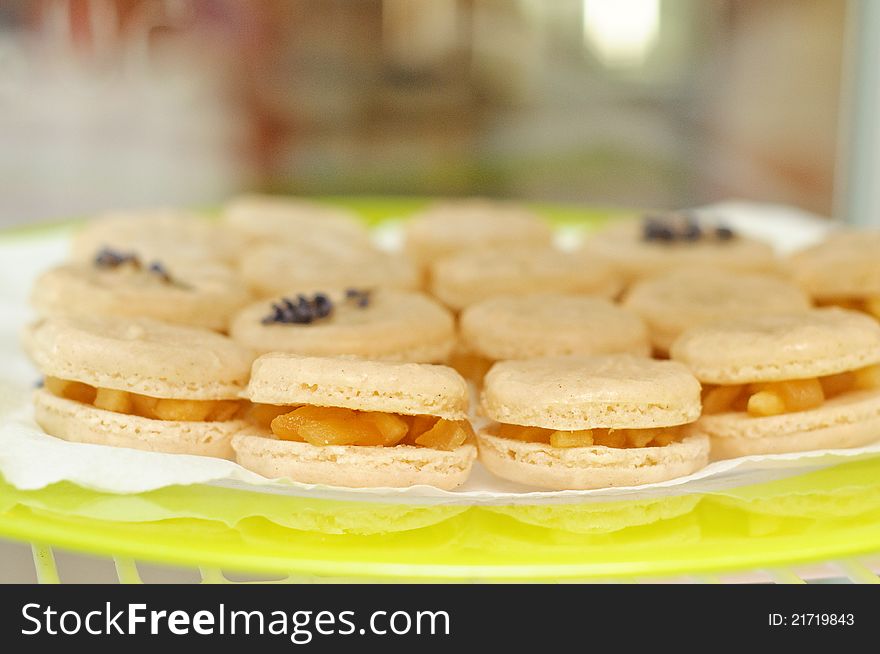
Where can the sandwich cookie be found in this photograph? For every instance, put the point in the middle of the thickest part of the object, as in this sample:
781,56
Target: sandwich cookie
449,227
157,235
118,284
385,324
315,263
138,383
844,271
278,218
685,298
659,244
354,423
583,422
786,383
468,277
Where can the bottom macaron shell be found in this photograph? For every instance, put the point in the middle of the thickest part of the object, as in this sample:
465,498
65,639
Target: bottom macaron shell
354,466
587,468
850,420
83,423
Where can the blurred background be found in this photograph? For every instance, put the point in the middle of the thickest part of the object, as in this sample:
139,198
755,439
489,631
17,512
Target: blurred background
650,103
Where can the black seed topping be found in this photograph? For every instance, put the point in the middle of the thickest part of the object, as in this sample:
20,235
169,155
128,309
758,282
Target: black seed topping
681,227
160,271
361,297
110,258
322,305
305,310
724,233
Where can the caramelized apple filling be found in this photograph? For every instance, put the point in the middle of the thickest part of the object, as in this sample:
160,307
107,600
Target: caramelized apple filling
336,426
775,398
657,437
143,405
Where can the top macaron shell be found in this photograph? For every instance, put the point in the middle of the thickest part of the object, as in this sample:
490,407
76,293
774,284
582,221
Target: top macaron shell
623,245
674,302
392,326
389,387
780,347
468,277
582,392
551,324
140,356
202,294
845,265
452,226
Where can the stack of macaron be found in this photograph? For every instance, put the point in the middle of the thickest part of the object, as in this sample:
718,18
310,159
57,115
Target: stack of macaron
280,335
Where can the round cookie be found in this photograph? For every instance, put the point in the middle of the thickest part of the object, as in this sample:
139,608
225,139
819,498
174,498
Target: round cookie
273,218
166,235
767,348
151,368
315,264
625,246
674,302
449,227
474,275
199,294
580,392
844,266
386,324
405,389
550,324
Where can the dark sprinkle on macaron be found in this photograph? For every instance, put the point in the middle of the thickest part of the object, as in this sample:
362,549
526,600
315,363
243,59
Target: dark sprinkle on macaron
305,310
682,227
361,297
160,271
724,233
110,258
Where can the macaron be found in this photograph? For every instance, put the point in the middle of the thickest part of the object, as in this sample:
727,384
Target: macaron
316,263
463,279
788,382
550,324
138,383
273,217
658,244
584,422
114,284
355,423
385,324
843,270
454,225
678,300
157,234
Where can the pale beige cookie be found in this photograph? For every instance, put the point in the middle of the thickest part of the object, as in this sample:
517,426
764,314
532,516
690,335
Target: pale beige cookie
141,356
577,392
845,266
273,218
676,301
848,420
167,235
454,225
550,324
201,294
355,466
800,345
386,324
83,423
584,468
463,279
317,263
622,244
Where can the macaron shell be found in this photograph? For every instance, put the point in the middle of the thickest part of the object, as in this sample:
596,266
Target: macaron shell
140,355
203,294
844,266
674,302
849,420
83,423
550,324
580,392
389,387
468,277
799,345
314,264
622,245
585,468
354,466
393,326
